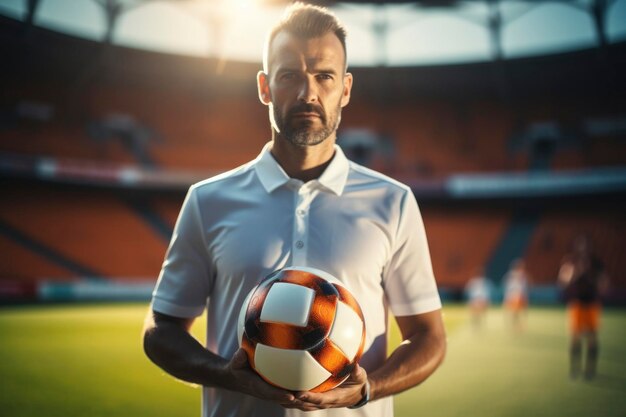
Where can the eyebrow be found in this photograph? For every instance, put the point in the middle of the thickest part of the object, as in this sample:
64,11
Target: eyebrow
325,71
315,70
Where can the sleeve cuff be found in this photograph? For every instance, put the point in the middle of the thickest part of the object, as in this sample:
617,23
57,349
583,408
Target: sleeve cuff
165,307
426,305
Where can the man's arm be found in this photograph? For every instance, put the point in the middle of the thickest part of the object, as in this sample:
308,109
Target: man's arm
168,343
566,273
411,363
419,355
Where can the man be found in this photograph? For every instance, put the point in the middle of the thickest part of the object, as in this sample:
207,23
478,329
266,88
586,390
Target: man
583,281
300,203
516,293
478,294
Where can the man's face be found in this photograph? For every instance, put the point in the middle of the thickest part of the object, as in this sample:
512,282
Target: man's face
306,87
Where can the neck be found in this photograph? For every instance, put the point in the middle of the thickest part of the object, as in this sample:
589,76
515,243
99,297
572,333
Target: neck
303,162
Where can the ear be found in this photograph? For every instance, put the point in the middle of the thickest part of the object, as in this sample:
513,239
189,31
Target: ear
263,85
347,88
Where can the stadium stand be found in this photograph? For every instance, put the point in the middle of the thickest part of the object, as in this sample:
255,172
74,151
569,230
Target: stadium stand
605,225
92,233
27,266
166,208
64,141
461,241
94,163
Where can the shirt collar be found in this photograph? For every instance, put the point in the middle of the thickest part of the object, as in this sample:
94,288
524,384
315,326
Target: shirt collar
272,175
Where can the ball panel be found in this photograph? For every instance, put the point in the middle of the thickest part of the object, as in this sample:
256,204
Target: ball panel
330,383
319,285
241,319
295,370
283,336
322,314
287,336
347,330
288,303
347,297
330,357
303,278
249,347
254,307
314,271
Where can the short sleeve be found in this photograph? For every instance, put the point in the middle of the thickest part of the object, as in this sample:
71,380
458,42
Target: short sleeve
408,277
183,285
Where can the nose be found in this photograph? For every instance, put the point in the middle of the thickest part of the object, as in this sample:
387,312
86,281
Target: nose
308,90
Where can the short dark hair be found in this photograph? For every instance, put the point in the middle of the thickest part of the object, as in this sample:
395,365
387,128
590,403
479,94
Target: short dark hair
306,21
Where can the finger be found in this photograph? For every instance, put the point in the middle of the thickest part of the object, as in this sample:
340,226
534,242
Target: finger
312,398
312,408
302,407
270,392
298,404
305,406
277,395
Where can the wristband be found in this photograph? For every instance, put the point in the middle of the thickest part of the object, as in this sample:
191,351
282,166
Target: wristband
365,399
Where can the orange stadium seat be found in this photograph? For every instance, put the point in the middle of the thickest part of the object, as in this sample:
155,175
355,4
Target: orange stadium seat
95,230
62,141
167,208
24,265
461,241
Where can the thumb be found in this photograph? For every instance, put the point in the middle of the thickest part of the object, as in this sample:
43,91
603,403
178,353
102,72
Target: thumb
358,374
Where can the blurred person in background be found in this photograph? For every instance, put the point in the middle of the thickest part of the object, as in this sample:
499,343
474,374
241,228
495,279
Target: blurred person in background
515,299
583,281
478,295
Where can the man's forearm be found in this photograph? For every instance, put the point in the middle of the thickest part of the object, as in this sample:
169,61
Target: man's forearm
175,351
168,343
410,364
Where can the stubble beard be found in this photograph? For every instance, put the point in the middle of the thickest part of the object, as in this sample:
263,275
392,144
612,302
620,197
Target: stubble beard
305,134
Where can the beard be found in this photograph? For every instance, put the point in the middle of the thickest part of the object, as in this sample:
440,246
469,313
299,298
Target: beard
304,133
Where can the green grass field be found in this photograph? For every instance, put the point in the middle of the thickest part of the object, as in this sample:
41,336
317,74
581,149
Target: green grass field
86,360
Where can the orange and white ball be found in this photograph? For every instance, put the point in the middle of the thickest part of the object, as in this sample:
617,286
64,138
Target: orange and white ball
302,330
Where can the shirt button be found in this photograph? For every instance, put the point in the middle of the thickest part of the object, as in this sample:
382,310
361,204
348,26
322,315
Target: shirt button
301,212
299,244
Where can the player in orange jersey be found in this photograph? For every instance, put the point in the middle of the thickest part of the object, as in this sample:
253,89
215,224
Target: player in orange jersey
516,293
583,281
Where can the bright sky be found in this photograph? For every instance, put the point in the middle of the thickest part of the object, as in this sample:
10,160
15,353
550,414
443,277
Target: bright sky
235,29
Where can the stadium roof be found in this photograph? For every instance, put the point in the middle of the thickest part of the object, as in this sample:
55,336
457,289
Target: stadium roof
41,54
382,33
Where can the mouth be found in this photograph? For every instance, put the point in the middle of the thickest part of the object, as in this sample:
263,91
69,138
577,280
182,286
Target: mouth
306,115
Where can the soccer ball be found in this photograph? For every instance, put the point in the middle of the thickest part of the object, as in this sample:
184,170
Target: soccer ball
302,330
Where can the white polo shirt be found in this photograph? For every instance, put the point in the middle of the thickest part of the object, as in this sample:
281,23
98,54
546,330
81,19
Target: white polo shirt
234,229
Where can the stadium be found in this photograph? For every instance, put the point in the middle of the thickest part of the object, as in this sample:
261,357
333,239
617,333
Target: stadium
511,154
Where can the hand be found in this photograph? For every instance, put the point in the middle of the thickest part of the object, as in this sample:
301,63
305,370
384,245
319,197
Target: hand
243,379
345,395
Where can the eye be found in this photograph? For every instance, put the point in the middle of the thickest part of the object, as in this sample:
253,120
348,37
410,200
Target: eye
287,76
324,77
